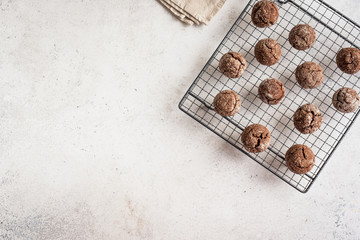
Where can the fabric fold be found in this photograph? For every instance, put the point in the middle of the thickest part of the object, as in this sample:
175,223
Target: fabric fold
193,11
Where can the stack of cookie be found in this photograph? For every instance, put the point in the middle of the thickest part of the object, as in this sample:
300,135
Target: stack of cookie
307,119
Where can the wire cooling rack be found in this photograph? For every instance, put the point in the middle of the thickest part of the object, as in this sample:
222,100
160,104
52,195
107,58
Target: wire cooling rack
334,31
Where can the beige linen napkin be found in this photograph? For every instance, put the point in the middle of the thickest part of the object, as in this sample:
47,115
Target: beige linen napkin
194,11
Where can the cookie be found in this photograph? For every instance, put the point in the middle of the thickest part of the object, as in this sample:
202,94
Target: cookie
227,103
302,37
309,75
264,14
267,52
271,91
348,60
346,100
256,138
232,64
300,159
307,119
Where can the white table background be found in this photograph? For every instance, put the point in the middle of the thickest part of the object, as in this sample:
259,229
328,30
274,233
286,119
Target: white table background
93,145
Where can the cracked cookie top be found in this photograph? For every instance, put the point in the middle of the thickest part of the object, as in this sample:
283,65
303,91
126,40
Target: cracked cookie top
300,159
302,37
307,118
267,52
271,91
227,103
346,100
348,60
256,138
264,14
309,75
232,64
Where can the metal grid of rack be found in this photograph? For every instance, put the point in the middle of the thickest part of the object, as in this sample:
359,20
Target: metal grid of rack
334,31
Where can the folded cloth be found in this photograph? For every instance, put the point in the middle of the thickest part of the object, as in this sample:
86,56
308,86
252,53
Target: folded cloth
193,11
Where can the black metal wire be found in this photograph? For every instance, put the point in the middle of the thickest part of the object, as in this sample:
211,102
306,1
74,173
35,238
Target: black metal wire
334,31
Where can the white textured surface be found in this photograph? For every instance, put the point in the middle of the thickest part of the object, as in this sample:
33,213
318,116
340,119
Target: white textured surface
93,146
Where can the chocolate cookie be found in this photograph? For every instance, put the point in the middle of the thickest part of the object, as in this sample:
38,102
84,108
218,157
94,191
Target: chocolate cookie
256,138
271,91
264,14
267,52
232,64
309,75
348,60
302,37
346,100
307,119
227,103
300,159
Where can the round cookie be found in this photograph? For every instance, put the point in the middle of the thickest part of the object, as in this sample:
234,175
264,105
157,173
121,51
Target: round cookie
232,64
309,75
271,91
302,37
267,52
227,103
346,100
264,14
307,119
300,159
256,138
348,60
